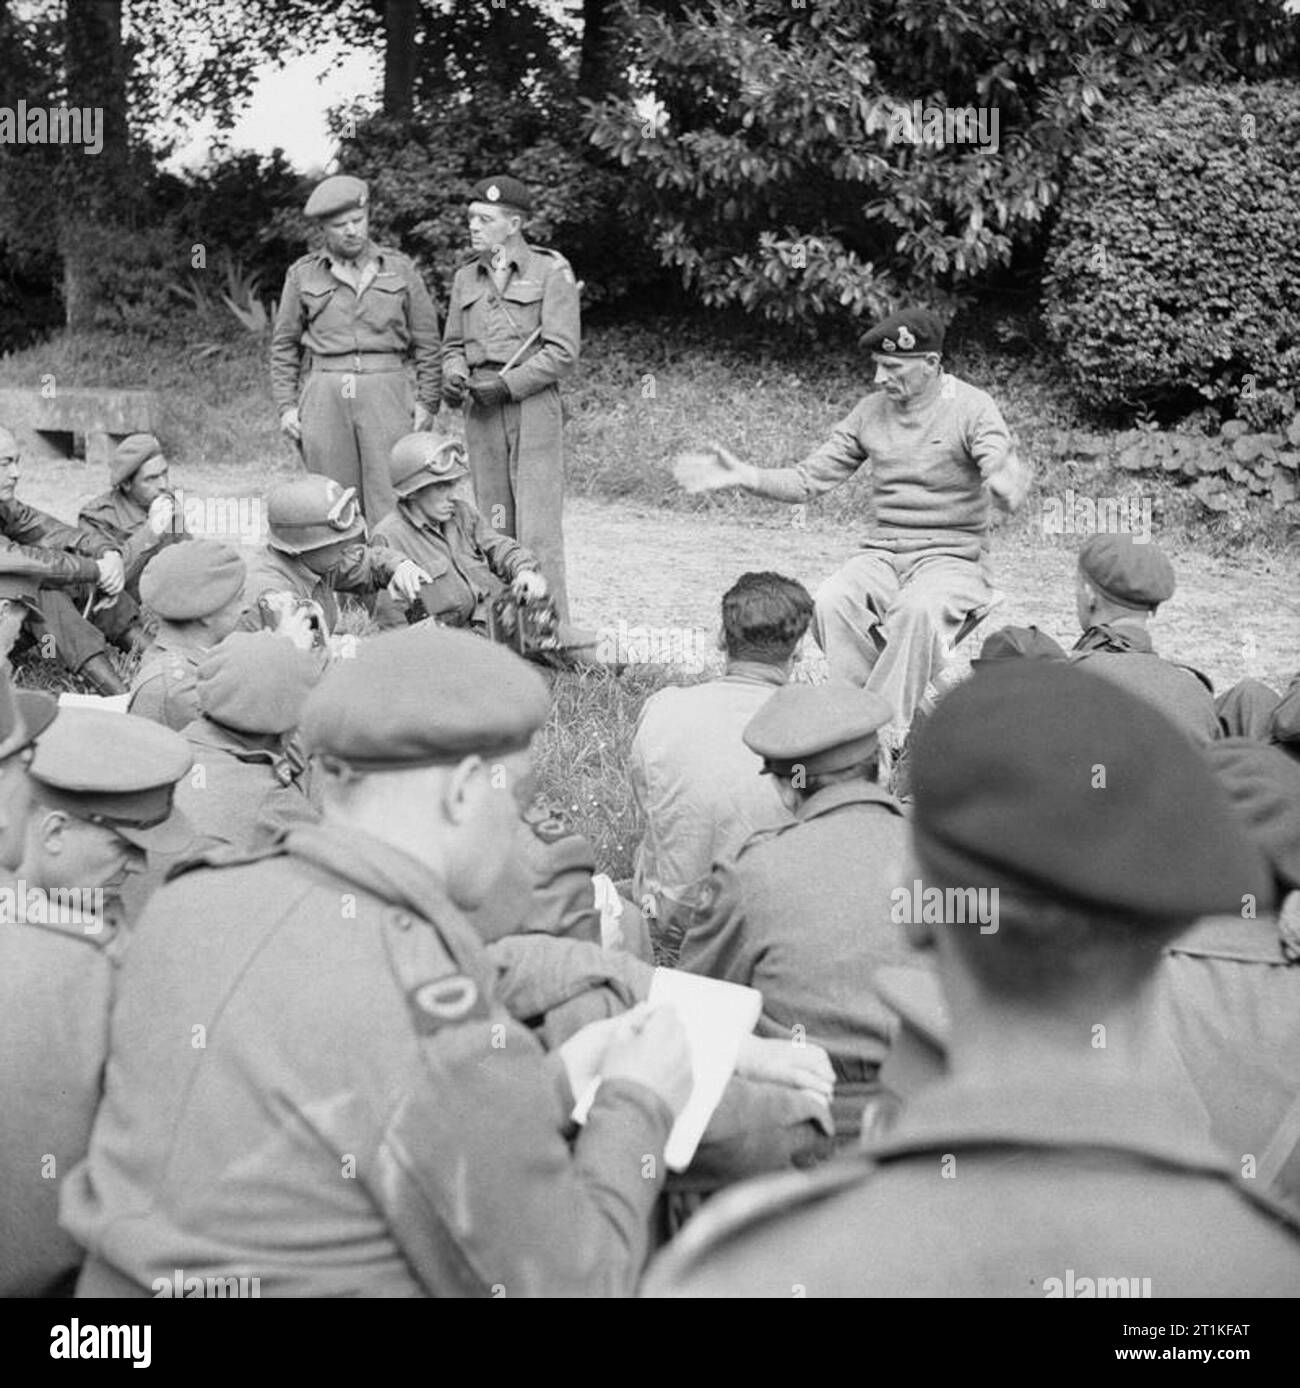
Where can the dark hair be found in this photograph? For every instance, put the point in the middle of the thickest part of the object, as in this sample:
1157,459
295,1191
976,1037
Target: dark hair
764,617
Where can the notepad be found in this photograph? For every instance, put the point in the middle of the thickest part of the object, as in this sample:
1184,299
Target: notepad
717,1017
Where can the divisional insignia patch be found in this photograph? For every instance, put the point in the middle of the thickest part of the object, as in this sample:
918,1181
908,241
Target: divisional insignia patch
442,1001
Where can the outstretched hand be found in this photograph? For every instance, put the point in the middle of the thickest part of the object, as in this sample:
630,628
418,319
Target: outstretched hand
708,468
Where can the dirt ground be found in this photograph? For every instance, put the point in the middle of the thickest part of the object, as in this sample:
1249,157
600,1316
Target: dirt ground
666,571
629,564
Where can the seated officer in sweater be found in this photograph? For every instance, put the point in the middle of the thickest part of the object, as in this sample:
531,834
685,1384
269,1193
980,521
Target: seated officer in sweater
317,548
430,1152
1119,585
939,453
1055,1149
137,515
804,912
247,765
465,561
49,572
94,798
196,593
693,778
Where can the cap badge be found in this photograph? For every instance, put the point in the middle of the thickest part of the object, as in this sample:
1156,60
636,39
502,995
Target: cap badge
493,193
905,339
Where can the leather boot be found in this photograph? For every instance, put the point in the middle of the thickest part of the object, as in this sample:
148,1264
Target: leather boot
99,672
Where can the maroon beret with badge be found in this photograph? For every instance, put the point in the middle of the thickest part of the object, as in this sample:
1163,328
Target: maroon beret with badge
911,333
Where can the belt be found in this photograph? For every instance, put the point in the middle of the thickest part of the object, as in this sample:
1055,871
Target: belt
359,361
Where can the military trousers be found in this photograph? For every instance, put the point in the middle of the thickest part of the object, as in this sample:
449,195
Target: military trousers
886,620
350,422
53,613
516,455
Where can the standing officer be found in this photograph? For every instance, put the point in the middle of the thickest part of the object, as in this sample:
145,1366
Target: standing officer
1056,1147
430,1154
355,314
513,332
939,452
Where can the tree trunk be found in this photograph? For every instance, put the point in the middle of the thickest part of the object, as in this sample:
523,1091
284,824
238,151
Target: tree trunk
399,57
598,71
96,79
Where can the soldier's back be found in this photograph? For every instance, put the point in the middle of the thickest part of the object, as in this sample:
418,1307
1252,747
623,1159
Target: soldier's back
1174,689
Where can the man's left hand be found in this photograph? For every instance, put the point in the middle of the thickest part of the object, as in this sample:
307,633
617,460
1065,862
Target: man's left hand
779,1061
405,582
529,586
489,389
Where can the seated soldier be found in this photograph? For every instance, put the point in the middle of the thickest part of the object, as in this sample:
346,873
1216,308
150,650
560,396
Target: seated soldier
1054,1148
251,689
1118,588
316,548
1228,991
196,591
805,912
694,780
468,562
137,515
49,573
939,452
95,797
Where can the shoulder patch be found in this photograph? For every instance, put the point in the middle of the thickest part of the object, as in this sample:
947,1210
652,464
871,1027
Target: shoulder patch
440,1002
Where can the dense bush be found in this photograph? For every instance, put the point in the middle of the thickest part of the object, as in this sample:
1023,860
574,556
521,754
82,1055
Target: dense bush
1173,269
771,165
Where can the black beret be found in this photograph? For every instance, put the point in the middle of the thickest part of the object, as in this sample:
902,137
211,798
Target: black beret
1008,777
191,580
911,333
339,193
1131,574
823,727
257,682
507,191
425,696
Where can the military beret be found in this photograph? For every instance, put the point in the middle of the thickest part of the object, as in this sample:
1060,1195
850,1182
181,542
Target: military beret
118,770
257,682
1010,643
420,460
425,696
1008,793
191,580
130,456
1263,784
24,715
1131,574
823,727
911,333
312,512
340,193
507,191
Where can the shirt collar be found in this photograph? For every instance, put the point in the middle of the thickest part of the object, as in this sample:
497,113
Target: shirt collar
854,792
516,258
1073,1111
754,672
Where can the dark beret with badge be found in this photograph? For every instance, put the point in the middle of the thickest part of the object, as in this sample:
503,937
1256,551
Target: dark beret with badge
1133,575
506,191
1040,777
130,456
819,728
339,193
910,333
196,579
425,696
257,682
1017,643
424,460
116,770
